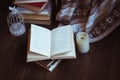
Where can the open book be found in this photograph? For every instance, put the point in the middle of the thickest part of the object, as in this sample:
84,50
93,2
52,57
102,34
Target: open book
50,44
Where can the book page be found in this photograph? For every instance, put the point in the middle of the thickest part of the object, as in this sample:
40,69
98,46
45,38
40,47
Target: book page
40,40
61,40
68,55
35,57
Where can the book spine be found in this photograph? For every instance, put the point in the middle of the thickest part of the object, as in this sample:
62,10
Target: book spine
41,22
41,65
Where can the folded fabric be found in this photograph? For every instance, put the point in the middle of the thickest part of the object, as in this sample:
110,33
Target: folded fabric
97,18
99,12
106,25
74,11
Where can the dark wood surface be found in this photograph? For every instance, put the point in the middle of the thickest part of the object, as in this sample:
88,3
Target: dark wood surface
102,62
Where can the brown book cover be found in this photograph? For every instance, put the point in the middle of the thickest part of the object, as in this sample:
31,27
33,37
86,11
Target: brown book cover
41,22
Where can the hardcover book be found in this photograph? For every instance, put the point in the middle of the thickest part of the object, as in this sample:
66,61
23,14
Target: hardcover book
45,14
29,1
47,44
37,7
49,65
41,22
45,17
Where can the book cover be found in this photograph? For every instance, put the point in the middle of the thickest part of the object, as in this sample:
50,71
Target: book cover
40,22
29,1
55,44
37,7
45,14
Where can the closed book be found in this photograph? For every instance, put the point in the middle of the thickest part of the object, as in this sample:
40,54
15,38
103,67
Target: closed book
41,22
49,65
37,7
45,14
28,1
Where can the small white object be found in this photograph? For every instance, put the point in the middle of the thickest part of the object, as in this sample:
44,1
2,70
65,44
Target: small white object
54,65
82,40
17,29
16,22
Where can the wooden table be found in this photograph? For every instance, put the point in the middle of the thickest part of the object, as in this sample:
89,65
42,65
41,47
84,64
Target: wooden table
101,63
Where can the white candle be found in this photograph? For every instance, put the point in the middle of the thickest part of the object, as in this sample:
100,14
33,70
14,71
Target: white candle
82,40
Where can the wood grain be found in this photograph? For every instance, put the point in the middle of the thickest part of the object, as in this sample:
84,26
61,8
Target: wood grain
102,62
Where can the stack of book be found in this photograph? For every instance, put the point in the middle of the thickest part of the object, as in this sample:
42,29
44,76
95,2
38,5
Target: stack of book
36,11
48,50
